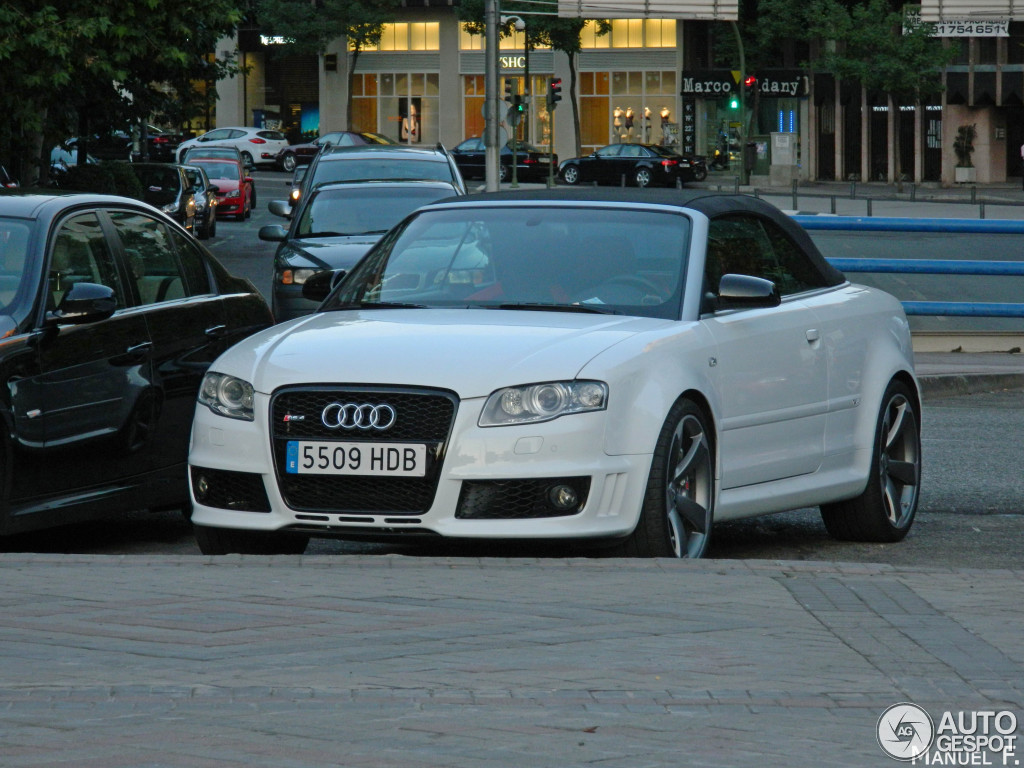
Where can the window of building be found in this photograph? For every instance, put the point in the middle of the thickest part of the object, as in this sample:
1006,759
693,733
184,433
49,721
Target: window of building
400,105
516,41
627,107
631,33
409,36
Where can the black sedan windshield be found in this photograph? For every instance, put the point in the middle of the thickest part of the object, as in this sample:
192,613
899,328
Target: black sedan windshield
362,210
585,258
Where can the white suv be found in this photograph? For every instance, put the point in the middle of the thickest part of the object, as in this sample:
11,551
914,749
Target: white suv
257,145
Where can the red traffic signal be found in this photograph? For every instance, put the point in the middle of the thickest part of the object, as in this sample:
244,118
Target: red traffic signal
749,82
554,92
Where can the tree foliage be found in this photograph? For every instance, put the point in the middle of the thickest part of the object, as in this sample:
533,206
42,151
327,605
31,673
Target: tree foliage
68,66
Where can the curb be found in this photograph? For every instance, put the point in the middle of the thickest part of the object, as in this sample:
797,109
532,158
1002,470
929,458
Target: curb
935,386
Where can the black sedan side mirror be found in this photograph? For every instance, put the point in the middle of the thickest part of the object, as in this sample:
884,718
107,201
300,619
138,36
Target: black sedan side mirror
746,292
273,233
318,286
280,208
84,303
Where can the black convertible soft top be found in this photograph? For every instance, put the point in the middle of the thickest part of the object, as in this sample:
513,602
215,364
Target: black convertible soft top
711,204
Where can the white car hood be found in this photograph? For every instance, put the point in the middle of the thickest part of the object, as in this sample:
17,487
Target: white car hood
469,351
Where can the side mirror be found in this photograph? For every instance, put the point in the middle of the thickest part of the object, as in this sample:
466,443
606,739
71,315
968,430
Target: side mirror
215,188
318,286
273,233
280,208
85,303
745,292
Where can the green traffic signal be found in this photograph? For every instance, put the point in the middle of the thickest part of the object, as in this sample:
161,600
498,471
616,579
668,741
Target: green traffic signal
734,103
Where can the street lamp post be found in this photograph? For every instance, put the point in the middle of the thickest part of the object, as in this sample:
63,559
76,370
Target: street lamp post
491,99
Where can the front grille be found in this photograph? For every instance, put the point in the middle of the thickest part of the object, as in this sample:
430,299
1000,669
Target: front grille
423,416
518,499
224,489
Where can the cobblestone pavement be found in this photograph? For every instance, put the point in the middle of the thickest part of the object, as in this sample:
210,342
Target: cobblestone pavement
394,661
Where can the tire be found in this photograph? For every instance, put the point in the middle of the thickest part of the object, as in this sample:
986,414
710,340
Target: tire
700,174
288,162
678,507
212,229
571,174
247,160
885,510
503,173
642,177
225,541
252,197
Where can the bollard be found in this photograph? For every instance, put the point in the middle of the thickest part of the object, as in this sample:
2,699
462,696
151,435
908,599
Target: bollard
736,185
853,190
832,207
796,206
757,193
679,183
869,206
981,210
974,195
623,179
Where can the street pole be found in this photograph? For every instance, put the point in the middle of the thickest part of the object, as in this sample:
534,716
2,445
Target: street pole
491,100
744,179
527,85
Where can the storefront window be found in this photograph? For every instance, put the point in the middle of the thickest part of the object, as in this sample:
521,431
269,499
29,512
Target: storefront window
628,107
402,106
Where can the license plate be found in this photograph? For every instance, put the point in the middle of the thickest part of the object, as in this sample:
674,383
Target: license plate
306,457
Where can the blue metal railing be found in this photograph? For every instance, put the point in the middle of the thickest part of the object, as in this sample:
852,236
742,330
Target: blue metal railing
929,266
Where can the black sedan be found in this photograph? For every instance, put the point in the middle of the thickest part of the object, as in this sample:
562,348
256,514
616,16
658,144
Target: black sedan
110,314
302,154
643,165
531,163
335,225
168,188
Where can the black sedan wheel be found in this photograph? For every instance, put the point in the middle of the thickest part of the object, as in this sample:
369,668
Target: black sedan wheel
226,541
885,510
642,177
571,174
678,507
503,173
288,162
699,174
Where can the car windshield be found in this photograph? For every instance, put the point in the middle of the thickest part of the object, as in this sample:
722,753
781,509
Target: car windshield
596,259
14,235
226,171
360,211
382,168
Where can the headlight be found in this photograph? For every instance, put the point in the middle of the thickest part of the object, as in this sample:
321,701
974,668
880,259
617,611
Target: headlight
227,396
170,207
542,402
234,194
295,276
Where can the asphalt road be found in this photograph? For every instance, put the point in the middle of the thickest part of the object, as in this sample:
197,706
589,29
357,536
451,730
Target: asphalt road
971,512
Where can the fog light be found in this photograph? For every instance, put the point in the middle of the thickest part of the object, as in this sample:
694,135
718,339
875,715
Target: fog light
202,487
563,497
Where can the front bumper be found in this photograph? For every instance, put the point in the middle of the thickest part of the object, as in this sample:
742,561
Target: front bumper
473,458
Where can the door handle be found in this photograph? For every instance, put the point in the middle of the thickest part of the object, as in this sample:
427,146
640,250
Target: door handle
140,350
813,335
216,331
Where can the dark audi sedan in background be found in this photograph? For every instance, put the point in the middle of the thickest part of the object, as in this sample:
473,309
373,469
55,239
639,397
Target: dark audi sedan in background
110,314
641,165
531,163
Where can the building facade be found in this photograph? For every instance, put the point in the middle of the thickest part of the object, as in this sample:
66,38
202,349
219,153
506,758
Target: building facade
647,80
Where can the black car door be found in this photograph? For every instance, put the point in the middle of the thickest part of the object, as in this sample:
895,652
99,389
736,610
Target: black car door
469,156
186,321
601,165
76,404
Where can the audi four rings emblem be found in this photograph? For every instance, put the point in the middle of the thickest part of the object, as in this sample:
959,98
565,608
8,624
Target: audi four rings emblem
356,416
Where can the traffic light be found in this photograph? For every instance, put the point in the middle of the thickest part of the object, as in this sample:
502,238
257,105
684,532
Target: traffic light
518,105
554,92
509,89
734,102
749,85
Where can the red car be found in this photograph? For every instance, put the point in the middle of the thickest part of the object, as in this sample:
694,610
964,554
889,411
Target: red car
236,192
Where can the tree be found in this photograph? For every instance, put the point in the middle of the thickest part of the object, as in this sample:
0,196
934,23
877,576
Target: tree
884,50
561,34
312,25
67,66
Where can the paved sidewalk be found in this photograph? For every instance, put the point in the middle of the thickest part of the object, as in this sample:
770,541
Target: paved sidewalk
399,661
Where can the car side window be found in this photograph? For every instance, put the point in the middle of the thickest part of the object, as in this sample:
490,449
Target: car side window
197,278
152,261
81,254
749,245
612,150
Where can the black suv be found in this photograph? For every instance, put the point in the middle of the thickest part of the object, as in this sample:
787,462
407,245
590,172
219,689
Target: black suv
383,162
